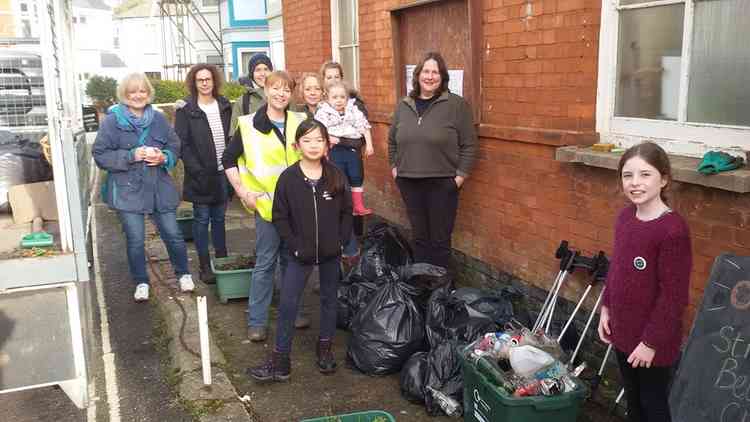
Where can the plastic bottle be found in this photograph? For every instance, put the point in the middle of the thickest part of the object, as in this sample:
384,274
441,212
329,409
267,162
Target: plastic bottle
449,406
491,370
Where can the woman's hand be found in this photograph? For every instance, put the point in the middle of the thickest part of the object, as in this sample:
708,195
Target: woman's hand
139,154
369,150
394,172
249,198
604,331
641,356
334,140
155,157
459,181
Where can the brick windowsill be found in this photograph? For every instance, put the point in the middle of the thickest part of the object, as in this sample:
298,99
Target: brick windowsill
684,169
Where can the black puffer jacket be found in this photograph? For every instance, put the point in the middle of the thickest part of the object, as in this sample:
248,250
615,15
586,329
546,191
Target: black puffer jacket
314,223
201,184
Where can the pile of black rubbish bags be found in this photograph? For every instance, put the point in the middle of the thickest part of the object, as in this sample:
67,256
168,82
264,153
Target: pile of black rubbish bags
405,316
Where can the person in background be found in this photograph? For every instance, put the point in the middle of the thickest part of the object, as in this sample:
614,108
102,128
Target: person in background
310,93
347,125
333,72
431,150
312,211
202,123
648,283
258,153
137,146
258,67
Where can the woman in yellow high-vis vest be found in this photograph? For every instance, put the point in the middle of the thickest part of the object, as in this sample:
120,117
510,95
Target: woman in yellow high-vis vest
253,161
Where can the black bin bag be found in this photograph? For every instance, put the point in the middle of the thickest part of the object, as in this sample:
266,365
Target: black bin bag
387,331
487,304
444,374
383,247
21,161
351,299
412,377
447,318
426,277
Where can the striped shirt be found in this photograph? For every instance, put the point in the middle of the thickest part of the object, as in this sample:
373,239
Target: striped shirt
217,130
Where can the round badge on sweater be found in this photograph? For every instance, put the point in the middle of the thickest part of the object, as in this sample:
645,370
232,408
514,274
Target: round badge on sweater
639,263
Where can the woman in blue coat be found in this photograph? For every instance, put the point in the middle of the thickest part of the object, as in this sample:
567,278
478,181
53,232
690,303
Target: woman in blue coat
137,146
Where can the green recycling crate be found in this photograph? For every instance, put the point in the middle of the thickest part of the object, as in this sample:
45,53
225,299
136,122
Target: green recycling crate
486,402
368,416
231,284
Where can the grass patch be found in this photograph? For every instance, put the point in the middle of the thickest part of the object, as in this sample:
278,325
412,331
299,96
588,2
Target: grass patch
200,408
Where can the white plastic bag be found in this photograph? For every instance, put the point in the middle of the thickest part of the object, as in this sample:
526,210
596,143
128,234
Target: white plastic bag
527,360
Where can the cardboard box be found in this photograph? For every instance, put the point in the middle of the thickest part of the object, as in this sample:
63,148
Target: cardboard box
33,200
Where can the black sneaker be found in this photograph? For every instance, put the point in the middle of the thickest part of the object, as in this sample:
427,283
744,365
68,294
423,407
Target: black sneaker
326,359
276,368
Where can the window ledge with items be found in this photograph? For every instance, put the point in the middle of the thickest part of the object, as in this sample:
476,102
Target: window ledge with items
673,72
684,169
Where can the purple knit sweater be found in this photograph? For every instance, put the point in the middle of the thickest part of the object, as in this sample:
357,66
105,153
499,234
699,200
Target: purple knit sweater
648,283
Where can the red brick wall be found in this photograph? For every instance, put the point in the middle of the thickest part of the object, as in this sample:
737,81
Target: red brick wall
307,34
539,71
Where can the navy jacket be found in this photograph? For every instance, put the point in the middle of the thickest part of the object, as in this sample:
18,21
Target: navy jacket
202,178
132,186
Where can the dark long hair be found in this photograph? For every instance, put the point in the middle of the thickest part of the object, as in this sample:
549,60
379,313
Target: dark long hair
333,179
655,156
442,68
192,84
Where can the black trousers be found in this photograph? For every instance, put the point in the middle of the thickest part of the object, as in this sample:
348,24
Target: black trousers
431,204
647,391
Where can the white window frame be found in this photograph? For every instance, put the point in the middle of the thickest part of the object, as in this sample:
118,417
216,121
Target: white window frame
677,137
336,47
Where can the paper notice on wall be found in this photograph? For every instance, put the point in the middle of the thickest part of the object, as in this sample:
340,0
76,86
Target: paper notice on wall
455,84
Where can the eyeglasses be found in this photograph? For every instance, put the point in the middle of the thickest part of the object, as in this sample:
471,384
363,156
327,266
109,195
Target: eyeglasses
204,80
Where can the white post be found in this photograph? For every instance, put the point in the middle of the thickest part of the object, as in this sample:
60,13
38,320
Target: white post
205,346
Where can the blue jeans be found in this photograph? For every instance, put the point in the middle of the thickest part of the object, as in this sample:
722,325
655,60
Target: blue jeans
349,161
292,286
215,214
133,224
269,248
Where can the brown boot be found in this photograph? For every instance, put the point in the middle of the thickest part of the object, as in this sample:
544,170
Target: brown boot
326,359
277,367
206,275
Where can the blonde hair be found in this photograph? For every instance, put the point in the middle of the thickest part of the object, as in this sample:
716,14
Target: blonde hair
278,76
337,84
131,79
301,85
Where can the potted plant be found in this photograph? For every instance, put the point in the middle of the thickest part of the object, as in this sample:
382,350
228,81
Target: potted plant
233,276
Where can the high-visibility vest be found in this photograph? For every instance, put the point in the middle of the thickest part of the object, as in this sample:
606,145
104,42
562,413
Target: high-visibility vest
265,158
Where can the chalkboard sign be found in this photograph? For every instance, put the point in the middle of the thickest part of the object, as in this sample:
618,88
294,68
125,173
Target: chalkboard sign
713,380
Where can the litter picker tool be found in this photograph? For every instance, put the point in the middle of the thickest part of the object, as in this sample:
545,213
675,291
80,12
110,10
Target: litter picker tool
566,257
597,267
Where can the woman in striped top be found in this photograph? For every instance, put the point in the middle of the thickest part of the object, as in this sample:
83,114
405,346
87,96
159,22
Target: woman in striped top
202,123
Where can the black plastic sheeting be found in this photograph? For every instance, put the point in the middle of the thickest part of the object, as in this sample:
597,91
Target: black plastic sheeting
444,374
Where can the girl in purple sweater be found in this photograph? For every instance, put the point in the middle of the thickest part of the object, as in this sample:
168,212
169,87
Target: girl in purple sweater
647,284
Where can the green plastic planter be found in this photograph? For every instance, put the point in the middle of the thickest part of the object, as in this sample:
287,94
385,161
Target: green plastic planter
368,416
185,222
231,284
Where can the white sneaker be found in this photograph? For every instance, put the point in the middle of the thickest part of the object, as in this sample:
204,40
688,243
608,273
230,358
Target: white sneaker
186,283
141,292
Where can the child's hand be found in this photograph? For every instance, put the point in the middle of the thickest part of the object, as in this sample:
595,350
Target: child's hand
369,150
603,329
333,139
641,356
